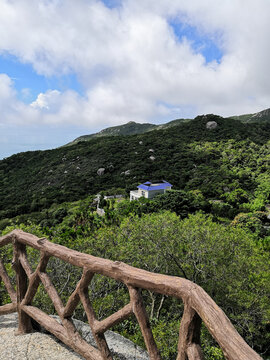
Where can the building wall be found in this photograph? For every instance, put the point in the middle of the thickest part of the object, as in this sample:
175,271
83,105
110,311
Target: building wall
134,195
151,194
141,192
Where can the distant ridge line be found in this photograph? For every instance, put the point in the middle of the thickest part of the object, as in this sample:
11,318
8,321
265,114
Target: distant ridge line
133,128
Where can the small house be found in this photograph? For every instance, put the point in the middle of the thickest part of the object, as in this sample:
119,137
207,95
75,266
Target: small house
150,190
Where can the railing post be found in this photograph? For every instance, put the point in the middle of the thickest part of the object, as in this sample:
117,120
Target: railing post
24,320
143,320
189,336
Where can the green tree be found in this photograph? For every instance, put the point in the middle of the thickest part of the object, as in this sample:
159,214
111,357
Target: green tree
224,260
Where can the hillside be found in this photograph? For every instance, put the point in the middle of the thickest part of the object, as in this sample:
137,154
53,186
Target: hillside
190,156
133,128
261,116
130,128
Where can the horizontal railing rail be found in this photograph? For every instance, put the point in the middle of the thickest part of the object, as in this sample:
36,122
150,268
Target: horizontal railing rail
198,305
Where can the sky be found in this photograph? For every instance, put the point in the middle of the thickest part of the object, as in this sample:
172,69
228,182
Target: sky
70,68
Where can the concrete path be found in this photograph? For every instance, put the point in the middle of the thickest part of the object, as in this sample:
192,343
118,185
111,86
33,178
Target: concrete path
41,346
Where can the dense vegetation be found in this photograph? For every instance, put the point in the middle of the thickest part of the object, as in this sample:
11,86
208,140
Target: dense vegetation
130,128
213,228
229,163
262,116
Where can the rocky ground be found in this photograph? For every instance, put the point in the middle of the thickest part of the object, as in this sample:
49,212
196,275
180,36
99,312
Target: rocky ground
41,346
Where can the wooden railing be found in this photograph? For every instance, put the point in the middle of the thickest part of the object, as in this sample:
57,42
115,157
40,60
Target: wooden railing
197,304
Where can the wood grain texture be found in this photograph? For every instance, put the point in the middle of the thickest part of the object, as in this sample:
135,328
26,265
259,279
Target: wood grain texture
25,264
194,352
52,292
143,320
91,316
6,280
74,299
120,315
8,309
189,334
34,280
24,321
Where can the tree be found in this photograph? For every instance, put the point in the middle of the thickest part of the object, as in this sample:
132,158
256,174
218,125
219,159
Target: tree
224,260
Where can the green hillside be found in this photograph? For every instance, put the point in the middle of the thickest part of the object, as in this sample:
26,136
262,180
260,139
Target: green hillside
133,128
130,128
261,116
190,156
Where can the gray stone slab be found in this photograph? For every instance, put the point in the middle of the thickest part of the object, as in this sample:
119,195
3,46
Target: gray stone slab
41,346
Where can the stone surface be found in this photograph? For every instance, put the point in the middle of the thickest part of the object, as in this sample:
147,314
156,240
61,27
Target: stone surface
41,346
101,171
211,125
30,346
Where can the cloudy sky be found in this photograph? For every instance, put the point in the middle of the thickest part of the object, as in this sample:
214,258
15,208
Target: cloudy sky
69,68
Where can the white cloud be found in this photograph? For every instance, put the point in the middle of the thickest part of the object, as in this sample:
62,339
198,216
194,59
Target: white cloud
6,89
46,101
12,110
130,62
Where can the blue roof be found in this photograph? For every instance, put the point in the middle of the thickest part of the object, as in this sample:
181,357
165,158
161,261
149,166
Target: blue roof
157,186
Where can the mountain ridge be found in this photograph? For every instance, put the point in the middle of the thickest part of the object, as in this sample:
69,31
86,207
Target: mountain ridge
188,155
130,128
261,116
133,128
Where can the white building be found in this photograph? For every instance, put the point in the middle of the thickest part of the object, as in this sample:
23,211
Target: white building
150,190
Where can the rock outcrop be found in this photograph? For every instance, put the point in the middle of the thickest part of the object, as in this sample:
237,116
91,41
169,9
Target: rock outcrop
42,346
211,125
101,171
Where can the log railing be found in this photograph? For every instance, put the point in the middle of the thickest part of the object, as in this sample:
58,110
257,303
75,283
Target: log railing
198,306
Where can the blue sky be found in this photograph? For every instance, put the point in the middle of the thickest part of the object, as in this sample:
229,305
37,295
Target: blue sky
112,3
205,44
25,77
87,65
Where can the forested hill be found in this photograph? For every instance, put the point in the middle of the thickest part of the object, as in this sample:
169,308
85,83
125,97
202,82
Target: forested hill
228,162
132,128
261,116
